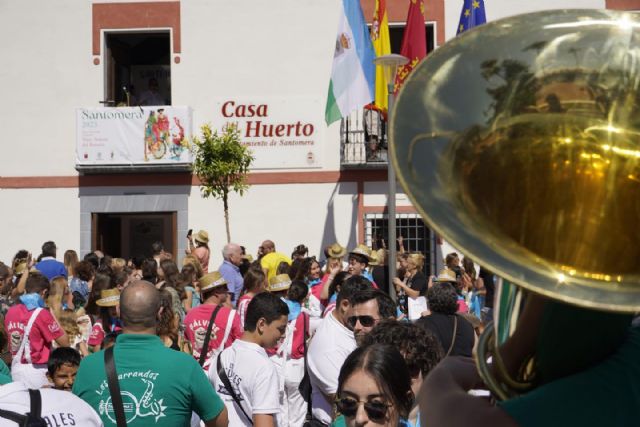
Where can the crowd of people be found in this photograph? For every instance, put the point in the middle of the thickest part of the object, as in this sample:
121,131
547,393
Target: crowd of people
279,340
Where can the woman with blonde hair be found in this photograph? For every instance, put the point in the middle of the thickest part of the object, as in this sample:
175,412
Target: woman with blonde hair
118,265
68,320
70,260
414,283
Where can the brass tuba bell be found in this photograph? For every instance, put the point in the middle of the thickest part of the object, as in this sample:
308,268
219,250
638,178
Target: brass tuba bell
519,142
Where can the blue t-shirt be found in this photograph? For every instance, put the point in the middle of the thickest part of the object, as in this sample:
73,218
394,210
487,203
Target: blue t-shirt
50,268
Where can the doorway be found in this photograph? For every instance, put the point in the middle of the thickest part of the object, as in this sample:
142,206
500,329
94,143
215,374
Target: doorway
124,235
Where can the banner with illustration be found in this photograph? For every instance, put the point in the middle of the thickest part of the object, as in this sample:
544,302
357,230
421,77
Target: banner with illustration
133,135
282,133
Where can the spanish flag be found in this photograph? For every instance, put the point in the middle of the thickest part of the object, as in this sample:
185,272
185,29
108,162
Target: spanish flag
414,41
382,46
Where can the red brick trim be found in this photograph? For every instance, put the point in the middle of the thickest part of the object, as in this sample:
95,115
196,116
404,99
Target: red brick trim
122,16
623,4
135,179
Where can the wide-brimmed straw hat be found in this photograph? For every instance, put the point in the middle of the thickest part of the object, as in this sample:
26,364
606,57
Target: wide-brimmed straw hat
336,251
201,236
446,275
109,298
362,250
281,282
211,280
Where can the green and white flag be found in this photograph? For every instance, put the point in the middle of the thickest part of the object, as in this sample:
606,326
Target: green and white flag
353,73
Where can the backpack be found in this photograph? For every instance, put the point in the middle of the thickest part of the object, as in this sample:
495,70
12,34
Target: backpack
31,419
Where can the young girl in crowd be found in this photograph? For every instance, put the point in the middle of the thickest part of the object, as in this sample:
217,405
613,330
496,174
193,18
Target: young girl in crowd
169,323
102,307
255,281
310,273
374,388
190,283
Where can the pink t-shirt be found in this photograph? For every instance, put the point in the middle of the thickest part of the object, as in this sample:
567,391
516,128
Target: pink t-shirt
202,254
243,304
44,331
197,322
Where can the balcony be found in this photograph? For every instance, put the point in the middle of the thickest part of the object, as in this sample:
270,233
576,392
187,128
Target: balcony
359,147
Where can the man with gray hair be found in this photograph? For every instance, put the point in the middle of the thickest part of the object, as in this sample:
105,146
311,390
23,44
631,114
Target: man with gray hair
153,391
230,270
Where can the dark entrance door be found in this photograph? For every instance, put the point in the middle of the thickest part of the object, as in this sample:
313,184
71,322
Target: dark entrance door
125,235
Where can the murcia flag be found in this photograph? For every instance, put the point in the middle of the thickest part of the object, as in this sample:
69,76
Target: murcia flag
414,41
353,73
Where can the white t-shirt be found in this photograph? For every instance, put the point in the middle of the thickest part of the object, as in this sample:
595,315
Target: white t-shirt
329,348
59,408
254,378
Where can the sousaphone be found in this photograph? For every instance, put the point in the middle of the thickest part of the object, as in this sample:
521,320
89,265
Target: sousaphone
519,142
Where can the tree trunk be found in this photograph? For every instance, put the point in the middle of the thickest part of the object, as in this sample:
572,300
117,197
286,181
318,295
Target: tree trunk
226,215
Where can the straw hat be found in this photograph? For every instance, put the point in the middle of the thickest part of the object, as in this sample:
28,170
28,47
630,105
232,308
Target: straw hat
109,298
211,280
362,250
373,258
446,275
201,236
19,266
336,251
281,282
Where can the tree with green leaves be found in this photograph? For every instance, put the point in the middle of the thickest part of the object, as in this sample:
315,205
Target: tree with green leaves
222,163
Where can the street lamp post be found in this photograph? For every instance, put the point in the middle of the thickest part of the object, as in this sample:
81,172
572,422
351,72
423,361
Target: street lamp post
390,64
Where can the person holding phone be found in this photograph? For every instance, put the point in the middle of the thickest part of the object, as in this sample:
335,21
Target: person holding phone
198,246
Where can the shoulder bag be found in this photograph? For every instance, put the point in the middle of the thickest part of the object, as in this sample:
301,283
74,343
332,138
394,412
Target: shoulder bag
207,338
455,332
227,384
33,418
114,387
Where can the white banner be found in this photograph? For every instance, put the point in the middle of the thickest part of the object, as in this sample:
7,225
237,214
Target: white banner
133,135
282,133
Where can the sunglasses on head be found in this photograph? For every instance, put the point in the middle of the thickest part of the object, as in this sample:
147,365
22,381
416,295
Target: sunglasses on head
376,411
366,321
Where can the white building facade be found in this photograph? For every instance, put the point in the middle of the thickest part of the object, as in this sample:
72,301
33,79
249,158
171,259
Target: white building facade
208,55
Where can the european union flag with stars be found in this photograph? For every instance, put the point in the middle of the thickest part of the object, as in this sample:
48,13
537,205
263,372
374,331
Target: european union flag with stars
472,15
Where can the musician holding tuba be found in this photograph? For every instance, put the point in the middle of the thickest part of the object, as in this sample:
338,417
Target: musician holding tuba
519,143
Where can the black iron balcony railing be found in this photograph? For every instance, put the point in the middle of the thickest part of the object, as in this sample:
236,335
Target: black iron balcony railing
363,139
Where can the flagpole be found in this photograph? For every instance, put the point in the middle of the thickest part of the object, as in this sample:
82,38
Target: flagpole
390,64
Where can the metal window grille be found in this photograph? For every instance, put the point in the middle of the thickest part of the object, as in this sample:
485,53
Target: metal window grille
355,149
417,237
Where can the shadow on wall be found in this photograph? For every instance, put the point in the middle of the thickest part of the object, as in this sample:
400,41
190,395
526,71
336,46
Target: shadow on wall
329,235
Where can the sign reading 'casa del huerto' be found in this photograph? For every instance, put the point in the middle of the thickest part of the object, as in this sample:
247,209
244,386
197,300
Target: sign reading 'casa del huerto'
281,133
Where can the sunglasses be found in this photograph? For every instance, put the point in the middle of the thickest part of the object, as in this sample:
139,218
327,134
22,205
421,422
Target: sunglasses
366,321
376,411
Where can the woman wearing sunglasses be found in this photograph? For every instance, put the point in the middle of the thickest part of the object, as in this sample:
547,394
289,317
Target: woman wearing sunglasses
374,388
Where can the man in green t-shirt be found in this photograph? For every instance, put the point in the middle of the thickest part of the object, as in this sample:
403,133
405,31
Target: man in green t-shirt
159,386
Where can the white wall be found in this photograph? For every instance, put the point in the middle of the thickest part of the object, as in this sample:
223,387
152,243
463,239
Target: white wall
496,9
289,214
46,70
257,49
31,217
